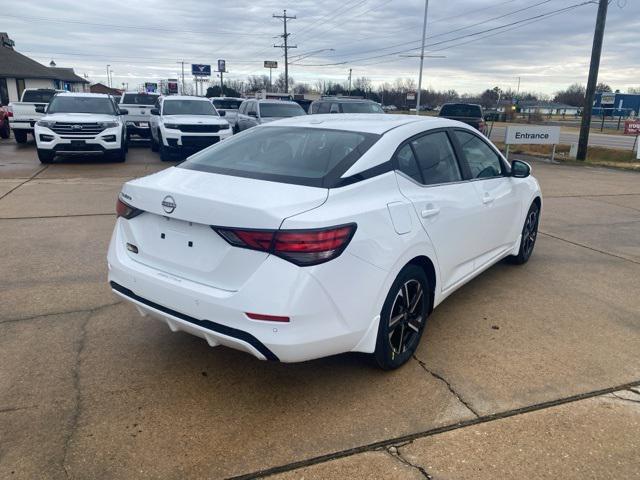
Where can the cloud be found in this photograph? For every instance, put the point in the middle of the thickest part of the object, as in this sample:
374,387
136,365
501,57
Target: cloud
547,55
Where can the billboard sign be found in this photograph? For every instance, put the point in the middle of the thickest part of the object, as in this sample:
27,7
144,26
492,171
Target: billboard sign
411,95
632,127
150,87
607,98
172,86
222,65
528,135
270,64
200,70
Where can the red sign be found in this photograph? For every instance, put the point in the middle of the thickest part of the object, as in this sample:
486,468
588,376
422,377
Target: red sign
632,127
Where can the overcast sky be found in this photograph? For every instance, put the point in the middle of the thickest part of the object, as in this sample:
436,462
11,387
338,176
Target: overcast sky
143,40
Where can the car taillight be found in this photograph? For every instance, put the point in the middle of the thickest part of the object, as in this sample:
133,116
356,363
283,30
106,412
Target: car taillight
301,247
126,211
9,113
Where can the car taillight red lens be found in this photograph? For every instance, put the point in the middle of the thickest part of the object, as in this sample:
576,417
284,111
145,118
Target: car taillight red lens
302,247
10,113
126,211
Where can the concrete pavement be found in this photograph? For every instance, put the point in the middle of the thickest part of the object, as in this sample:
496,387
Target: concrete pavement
88,389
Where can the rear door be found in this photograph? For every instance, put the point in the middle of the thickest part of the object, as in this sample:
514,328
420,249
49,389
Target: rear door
500,202
431,177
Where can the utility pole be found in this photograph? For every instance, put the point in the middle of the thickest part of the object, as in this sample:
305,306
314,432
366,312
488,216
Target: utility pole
350,70
286,47
108,77
518,90
424,38
182,63
596,50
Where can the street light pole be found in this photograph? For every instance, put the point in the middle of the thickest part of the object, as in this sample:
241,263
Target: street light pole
108,78
424,38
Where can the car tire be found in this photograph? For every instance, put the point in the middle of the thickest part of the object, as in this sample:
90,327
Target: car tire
46,156
5,131
21,137
529,236
154,144
165,153
119,155
403,318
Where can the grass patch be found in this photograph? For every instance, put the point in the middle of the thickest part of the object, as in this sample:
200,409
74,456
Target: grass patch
608,157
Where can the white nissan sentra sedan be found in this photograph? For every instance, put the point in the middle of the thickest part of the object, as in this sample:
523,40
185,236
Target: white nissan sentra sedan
318,235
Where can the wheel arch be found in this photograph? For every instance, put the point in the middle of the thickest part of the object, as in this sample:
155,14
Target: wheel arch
426,264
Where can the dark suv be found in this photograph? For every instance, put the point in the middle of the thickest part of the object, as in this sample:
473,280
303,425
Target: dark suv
344,105
468,113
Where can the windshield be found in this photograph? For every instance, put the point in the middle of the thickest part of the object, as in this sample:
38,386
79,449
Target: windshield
227,104
38,96
139,99
64,104
461,110
280,110
299,155
361,107
188,107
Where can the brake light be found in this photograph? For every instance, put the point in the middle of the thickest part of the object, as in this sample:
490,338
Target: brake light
126,211
266,318
301,247
10,112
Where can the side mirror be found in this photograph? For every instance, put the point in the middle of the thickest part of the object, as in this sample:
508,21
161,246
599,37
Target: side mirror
124,111
520,169
222,113
155,111
40,109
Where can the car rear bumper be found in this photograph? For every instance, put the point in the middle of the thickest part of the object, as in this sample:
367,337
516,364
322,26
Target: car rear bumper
22,125
318,327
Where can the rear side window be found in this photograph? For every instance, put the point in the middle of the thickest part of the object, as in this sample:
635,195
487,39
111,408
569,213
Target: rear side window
38,96
305,156
461,110
407,163
139,99
436,159
482,160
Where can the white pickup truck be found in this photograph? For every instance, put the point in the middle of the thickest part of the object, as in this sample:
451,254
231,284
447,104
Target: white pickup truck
23,115
139,105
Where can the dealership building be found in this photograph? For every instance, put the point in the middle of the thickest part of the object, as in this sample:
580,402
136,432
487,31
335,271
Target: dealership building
616,104
18,72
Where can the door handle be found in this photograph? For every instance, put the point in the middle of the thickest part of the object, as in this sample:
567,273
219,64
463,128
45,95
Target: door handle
487,199
430,211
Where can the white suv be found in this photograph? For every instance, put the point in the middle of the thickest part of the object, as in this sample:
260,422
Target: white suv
81,123
183,124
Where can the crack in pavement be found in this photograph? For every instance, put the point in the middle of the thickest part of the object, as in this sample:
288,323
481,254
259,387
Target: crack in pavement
394,451
43,315
589,248
434,431
25,182
449,386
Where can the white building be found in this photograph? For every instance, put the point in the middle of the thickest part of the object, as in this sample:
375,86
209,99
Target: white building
18,72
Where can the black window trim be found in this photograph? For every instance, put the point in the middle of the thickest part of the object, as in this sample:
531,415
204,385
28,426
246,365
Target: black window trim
504,167
464,169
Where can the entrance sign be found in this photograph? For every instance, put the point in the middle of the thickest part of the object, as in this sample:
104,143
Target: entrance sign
528,135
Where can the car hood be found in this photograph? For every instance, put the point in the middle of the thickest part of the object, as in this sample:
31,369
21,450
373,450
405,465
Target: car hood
194,119
80,117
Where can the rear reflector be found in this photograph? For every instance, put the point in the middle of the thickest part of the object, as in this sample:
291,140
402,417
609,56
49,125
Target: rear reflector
301,247
267,318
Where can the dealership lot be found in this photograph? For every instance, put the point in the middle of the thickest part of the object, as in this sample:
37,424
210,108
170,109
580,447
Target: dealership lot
91,390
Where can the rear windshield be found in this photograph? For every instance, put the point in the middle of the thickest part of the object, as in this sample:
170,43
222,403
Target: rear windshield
188,107
227,104
305,156
280,110
139,99
38,96
461,110
63,104
361,107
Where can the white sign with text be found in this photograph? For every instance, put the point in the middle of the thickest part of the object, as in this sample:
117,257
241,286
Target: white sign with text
526,134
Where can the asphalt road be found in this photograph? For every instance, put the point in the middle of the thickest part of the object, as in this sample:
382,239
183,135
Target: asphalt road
526,372
595,139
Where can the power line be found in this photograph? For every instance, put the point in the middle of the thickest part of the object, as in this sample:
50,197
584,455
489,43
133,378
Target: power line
330,16
540,16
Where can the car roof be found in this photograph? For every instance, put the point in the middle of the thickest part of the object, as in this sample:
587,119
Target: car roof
345,99
226,98
184,97
377,123
271,100
135,92
82,94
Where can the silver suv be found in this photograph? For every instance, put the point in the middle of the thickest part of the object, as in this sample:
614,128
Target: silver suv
254,112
